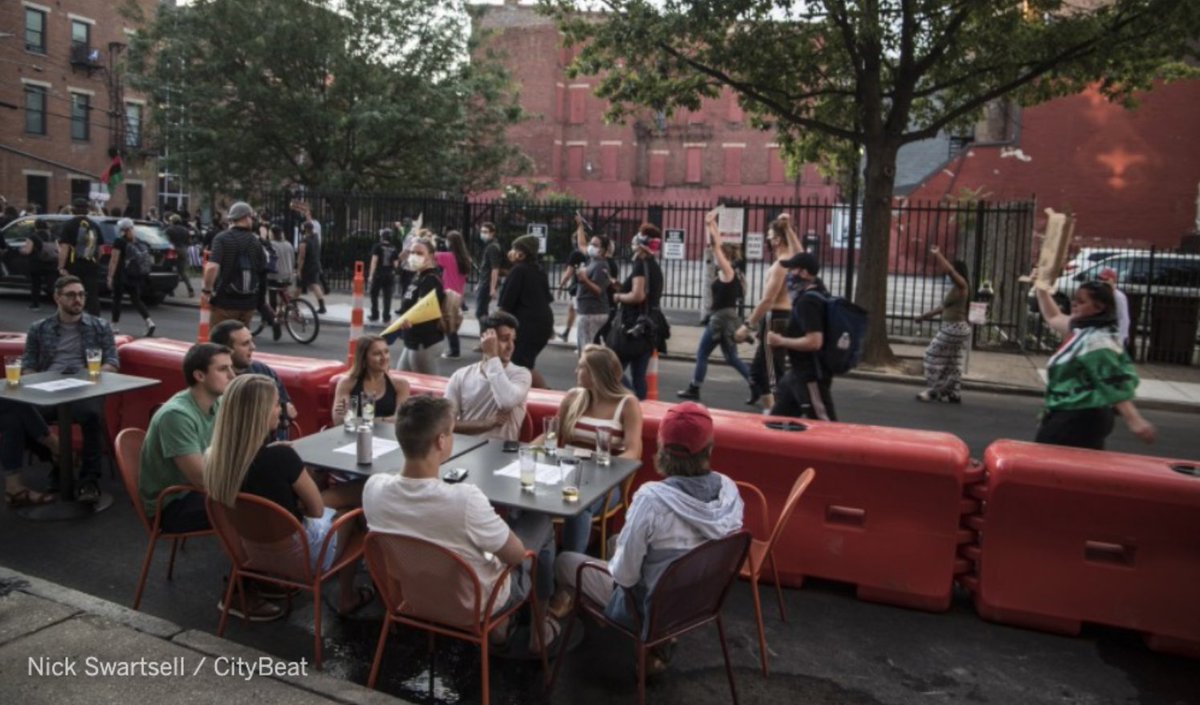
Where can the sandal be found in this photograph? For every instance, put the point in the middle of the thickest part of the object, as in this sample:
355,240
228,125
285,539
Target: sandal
27,498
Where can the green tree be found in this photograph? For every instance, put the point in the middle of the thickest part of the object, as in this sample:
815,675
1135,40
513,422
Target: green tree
357,94
875,74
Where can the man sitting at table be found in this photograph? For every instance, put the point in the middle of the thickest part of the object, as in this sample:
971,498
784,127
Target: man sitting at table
234,335
666,519
490,396
417,502
179,433
59,343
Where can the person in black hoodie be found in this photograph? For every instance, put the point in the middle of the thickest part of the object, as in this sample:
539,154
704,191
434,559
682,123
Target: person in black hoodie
805,390
526,295
422,339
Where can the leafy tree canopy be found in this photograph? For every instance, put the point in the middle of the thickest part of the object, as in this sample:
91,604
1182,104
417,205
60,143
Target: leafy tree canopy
832,76
347,95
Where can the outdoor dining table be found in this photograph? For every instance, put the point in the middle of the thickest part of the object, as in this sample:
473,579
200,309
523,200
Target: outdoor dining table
61,391
335,449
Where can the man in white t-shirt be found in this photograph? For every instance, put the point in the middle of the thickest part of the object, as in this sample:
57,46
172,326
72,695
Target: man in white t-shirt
1109,276
490,396
417,502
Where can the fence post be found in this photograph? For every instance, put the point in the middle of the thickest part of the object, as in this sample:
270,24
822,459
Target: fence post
356,313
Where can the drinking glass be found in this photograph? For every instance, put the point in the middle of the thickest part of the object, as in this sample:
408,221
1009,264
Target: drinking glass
568,468
12,369
603,447
550,434
366,407
94,356
349,422
528,469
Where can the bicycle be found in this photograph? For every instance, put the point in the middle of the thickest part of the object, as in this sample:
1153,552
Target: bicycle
295,314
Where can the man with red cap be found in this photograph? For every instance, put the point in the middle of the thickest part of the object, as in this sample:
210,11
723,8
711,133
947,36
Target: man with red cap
665,520
1109,276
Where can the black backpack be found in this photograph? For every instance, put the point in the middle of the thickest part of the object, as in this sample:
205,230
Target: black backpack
845,331
138,260
244,278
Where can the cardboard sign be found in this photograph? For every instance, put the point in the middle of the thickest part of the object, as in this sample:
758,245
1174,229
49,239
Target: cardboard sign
674,244
730,223
754,246
539,229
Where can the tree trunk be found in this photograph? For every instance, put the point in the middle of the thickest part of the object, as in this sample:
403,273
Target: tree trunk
872,286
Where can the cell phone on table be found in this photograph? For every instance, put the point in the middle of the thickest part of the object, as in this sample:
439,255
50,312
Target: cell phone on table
510,446
455,475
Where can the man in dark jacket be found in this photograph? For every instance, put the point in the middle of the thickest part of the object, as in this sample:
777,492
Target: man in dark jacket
181,239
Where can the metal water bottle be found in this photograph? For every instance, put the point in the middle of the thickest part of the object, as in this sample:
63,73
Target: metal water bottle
363,446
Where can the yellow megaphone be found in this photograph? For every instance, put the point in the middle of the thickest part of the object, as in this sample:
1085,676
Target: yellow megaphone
427,309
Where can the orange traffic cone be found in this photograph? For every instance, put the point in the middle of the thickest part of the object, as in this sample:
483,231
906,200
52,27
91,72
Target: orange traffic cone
205,311
356,313
652,377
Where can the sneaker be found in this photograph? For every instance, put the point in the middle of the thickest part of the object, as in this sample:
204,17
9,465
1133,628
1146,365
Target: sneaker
563,335
321,310
927,396
276,331
373,319
450,356
754,397
692,392
88,493
150,327
262,611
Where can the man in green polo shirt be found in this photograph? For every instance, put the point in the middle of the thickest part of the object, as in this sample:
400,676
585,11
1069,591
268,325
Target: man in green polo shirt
179,433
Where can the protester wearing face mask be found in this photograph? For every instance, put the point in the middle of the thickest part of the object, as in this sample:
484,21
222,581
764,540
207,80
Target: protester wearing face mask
526,295
422,340
490,264
591,301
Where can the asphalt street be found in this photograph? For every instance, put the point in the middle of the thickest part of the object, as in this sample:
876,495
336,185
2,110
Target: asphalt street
833,650
981,419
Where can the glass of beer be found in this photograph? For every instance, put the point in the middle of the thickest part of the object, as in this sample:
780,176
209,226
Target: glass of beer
12,369
528,469
568,468
94,356
603,447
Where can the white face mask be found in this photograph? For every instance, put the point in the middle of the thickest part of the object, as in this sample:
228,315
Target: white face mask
416,261
485,236
593,251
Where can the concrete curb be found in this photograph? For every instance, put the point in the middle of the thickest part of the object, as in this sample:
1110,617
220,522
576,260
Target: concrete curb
204,643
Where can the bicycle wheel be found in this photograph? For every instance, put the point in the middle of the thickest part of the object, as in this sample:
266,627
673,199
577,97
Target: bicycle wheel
301,321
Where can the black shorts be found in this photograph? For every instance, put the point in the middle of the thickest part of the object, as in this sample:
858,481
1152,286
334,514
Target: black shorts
1078,428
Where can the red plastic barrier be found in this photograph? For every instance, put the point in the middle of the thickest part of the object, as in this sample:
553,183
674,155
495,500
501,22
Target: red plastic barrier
306,379
1072,536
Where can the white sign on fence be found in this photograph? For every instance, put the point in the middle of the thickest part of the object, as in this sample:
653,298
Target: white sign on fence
839,228
754,247
730,223
674,244
540,230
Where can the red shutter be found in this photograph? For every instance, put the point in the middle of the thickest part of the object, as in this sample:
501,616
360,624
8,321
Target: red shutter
574,162
658,170
695,165
608,162
733,165
775,171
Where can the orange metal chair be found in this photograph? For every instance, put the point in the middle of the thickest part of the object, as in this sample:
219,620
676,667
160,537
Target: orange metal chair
430,587
689,595
129,462
267,543
761,550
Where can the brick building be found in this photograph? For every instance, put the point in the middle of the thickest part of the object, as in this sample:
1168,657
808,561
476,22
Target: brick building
63,105
691,156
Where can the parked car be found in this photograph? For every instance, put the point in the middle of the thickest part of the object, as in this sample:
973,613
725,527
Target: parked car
1087,256
1139,272
163,276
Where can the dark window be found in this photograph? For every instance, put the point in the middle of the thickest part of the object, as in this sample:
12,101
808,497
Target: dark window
134,193
80,188
35,109
35,30
37,191
81,34
133,125
81,109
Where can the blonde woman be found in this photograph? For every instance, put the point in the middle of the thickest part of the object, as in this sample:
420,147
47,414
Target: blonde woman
599,401
369,375
243,458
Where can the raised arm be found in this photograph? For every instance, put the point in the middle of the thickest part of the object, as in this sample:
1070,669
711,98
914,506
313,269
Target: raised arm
1053,315
714,240
793,237
948,268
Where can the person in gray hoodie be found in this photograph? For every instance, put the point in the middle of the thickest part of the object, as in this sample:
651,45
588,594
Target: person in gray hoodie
665,520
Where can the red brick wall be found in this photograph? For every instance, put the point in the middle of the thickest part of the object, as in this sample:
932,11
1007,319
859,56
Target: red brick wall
627,163
1127,175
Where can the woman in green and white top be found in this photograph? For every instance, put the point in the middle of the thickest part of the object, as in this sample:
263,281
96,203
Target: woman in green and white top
1090,376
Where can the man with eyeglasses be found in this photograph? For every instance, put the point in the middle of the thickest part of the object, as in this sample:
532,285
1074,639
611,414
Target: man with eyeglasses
59,343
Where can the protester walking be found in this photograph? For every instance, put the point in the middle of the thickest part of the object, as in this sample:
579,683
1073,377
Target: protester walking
422,339
728,289
456,264
42,250
382,273
638,329
308,261
181,240
129,273
491,265
526,295
79,253
594,287
943,357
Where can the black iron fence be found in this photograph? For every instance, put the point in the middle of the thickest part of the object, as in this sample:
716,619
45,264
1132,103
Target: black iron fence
994,240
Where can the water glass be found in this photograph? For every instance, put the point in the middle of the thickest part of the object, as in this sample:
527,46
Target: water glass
366,407
94,356
550,434
349,421
603,447
568,468
528,463
12,369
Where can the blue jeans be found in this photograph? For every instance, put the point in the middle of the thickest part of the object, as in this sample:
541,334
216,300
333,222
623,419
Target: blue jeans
708,342
636,379
577,530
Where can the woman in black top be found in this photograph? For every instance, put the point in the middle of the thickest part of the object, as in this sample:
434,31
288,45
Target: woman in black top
526,295
420,340
369,373
244,458
640,293
728,289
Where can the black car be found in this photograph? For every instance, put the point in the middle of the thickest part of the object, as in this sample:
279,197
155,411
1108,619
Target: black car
163,276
